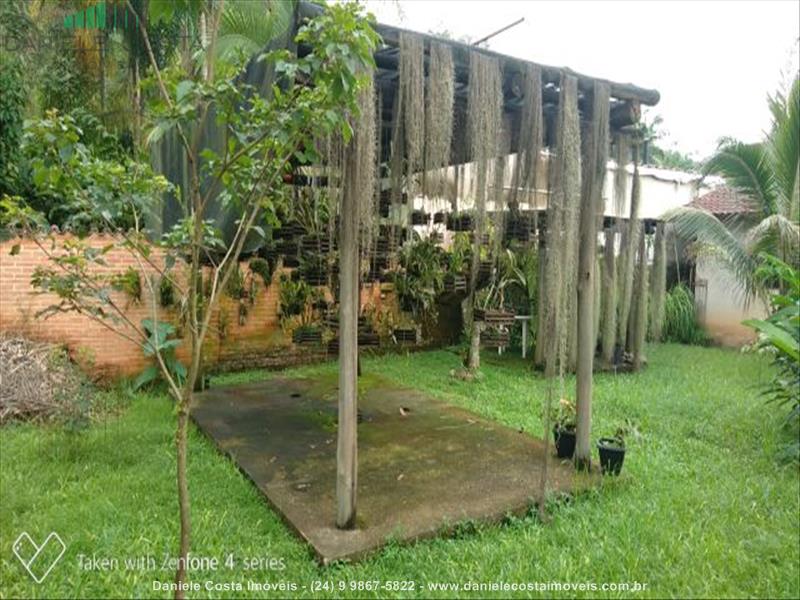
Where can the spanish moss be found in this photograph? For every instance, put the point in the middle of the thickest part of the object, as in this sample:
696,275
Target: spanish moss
628,255
609,307
438,119
530,133
658,285
640,315
412,92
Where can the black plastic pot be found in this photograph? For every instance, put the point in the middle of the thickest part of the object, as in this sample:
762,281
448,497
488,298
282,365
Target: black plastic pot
612,456
565,441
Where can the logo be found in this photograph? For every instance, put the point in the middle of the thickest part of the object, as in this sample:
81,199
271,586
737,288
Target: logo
39,560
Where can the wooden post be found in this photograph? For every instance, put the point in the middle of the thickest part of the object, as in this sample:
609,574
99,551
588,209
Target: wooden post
347,448
609,304
592,186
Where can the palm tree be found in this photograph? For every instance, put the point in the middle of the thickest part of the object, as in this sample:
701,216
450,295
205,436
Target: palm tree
767,174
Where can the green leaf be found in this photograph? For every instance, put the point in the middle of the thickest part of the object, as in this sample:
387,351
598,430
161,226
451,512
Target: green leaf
184,88
15,249
149,375
778,337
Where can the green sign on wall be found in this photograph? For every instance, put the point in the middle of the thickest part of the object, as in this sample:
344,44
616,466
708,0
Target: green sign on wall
100,16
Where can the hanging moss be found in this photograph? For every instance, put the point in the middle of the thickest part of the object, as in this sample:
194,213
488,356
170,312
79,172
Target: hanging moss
558,277
530,133
628,256
411,72
484,122
658,285
485,114
438,118
639,325
621,153
598,300
569,171
397,150
363,145
609,303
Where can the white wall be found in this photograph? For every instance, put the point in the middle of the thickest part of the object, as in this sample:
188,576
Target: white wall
721,305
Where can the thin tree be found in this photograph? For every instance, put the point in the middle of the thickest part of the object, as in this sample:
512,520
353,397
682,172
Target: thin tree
312,96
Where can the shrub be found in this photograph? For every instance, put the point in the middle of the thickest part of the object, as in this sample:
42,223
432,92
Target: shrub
420,279
160,340
295,297
680,318
263,268
780,336
12,103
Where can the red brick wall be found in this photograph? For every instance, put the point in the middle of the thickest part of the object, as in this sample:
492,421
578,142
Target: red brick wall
258,341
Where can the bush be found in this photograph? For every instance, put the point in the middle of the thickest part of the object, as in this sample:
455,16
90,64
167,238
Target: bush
780,336
12,103
680,318
420,279
77,185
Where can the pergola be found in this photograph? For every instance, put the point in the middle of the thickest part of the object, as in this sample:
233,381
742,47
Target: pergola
624,106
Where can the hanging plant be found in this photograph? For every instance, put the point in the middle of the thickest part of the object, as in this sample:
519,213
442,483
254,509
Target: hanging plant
531,132
235,288
439,118
263,268
412,90
166,292
659,283
129,283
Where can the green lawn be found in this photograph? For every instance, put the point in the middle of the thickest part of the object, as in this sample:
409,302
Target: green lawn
704,508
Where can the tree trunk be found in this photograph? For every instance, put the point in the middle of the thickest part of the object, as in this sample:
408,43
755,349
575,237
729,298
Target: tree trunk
474,362
346,453
183,491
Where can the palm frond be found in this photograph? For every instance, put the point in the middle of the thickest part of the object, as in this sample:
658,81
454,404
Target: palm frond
783,150
744,168
694,224
248,25
775,235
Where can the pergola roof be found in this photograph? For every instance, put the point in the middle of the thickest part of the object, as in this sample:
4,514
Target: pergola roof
626,98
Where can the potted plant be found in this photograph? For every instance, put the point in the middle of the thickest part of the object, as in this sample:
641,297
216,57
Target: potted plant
612,453
564,429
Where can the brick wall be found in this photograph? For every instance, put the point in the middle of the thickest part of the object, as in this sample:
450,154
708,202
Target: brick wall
257,341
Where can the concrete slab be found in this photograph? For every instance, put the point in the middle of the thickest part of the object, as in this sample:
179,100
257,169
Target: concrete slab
424,465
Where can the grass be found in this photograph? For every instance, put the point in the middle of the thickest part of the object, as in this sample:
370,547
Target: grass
703,509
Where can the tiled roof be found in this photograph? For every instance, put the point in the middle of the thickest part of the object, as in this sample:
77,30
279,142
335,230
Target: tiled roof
724,201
